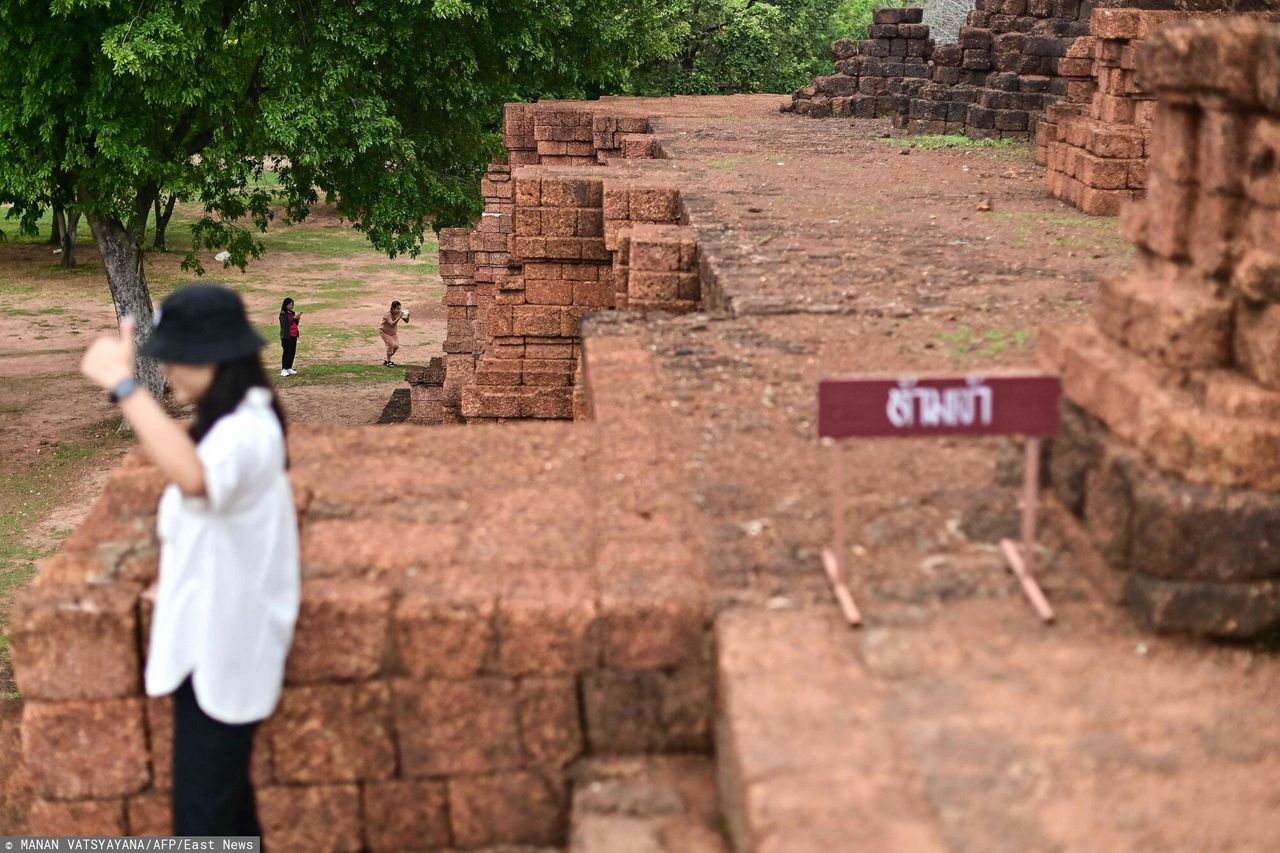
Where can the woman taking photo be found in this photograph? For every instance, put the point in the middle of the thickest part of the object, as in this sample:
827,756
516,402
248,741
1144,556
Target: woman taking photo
388,331
288,336
228,590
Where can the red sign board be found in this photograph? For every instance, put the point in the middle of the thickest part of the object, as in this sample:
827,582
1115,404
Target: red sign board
907,406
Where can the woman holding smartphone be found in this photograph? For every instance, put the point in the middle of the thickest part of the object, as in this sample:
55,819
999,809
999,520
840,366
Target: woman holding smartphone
288,336
227,596
388,330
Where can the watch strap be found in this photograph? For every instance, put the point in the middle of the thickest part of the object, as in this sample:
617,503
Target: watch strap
122,389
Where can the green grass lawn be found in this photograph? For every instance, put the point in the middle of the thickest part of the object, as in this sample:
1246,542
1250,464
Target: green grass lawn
933,142
338,373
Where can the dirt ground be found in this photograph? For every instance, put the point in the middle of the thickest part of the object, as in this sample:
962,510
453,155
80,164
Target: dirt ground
58,434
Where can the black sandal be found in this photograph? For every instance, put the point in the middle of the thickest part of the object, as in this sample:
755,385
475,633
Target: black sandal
386,364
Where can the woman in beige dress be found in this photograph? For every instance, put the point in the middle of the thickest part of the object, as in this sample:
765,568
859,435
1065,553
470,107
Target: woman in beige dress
388,328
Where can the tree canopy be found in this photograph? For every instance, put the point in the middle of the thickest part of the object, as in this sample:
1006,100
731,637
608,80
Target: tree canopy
386,108
751,45
383,105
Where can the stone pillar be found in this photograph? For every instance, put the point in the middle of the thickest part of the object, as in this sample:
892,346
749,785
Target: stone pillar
426,392
1171,449
518,284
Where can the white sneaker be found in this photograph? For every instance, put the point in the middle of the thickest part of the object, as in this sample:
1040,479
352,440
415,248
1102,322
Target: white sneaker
292,372
284,373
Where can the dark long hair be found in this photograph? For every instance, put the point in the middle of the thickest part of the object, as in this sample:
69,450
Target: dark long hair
231,382
284,306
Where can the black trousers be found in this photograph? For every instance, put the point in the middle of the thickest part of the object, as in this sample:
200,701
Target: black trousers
212,792
290,346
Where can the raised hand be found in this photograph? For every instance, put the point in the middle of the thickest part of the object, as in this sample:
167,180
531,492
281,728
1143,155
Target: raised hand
109,359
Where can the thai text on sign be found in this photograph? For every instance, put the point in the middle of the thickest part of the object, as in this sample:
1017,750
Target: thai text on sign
1003,404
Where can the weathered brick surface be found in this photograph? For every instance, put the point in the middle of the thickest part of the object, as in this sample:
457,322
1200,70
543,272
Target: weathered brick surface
1144,406
1224,610
86,749
508,808
654,608
341,632
787,740
648,711
83,817
76,643
159,719
447,728
550,722
1181,365
1180,323
150,814
333,733
546,623
405,815
1256,344
1156,523
313,817
871,73
663,803
444,626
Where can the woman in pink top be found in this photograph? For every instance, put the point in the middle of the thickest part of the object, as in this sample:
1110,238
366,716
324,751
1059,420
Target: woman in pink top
388,328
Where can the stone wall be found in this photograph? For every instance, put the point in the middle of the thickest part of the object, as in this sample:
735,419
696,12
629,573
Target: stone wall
870,73
1015,62
470,625
1171,452
1012,60
1096,148
542,257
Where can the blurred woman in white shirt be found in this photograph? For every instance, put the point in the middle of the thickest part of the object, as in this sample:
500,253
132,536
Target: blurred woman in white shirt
227,596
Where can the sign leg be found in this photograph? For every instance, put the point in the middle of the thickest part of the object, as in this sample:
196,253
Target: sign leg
833,558
1031,494
1021,562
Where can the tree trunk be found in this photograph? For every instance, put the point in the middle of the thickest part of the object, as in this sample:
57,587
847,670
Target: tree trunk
55,232
163,215
69,224
122,257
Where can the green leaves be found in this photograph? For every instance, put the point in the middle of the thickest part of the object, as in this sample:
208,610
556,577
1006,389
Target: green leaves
740,46
388,107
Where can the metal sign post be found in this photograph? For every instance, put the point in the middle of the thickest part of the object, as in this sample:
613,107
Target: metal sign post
879,406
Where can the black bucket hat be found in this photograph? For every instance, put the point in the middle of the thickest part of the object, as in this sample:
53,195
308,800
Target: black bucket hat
202,324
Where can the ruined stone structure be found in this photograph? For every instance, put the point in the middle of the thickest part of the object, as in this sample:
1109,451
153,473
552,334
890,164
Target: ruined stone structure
426,392
870,73
1061,72
1095,148
1012,60
444,675
505,625
550,248
1172,452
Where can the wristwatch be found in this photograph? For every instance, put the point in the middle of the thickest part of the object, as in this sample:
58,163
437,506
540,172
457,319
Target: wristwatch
122,389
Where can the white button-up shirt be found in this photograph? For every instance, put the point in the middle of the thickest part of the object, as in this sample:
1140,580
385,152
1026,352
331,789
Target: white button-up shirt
229,583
